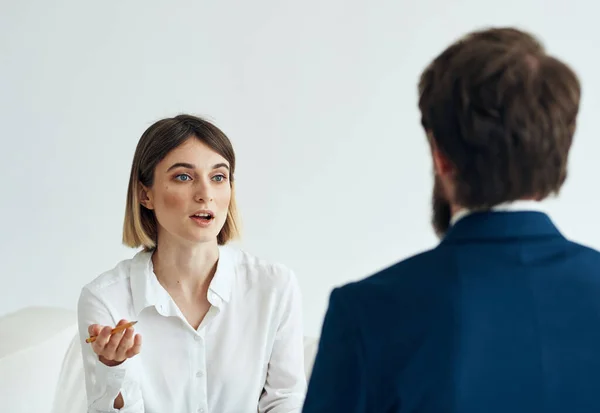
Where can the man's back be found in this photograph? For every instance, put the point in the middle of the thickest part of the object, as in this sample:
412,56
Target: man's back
503,316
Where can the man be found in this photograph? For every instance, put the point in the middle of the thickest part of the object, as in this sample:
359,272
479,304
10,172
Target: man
504,314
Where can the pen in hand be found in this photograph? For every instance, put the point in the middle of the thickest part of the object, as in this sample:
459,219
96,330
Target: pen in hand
114,330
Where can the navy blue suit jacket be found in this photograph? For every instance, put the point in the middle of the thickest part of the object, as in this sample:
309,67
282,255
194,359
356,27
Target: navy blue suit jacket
502,317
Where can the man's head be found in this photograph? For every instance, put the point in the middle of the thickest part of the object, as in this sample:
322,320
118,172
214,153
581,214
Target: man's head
500,116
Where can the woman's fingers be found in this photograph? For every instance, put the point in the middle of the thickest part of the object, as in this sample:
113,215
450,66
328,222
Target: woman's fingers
94,329
110,350
136,348
101,340
115,347
125,344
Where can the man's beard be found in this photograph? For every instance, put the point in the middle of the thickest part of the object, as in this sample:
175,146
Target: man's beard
441,210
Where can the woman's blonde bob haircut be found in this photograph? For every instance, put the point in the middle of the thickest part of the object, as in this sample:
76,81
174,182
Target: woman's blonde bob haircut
140,226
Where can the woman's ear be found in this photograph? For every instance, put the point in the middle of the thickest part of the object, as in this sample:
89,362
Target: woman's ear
146,197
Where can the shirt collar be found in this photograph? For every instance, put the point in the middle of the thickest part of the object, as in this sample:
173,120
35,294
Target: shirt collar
222,282
508,206
147,291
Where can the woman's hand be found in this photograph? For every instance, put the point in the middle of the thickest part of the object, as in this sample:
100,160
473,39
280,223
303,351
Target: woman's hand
114,350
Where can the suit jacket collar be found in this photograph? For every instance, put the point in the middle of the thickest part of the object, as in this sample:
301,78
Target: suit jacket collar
489,225
519,205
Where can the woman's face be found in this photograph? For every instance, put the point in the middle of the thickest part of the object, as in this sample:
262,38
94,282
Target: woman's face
191,193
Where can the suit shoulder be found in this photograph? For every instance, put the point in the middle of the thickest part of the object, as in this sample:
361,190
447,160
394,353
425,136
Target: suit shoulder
405,270
400,274
584,253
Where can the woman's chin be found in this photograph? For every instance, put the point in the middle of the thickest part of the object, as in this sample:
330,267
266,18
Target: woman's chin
202,235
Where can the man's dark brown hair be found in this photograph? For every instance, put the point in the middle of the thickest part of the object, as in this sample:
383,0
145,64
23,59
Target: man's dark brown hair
503,112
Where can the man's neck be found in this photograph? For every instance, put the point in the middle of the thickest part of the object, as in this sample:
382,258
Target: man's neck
459,212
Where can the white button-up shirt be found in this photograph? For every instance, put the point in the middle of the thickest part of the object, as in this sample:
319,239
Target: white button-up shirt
246,356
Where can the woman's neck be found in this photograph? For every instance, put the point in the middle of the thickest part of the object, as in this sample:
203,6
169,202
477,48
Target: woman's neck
188,269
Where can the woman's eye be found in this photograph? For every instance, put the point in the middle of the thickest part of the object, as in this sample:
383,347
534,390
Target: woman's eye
183,177
219,178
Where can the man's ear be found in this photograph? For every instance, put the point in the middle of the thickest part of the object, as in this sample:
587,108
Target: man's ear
441,164
146,197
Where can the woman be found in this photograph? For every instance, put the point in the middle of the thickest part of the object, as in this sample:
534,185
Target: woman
222,330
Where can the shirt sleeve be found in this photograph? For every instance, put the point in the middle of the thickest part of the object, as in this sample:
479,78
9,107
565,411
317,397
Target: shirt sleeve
285,385
103,383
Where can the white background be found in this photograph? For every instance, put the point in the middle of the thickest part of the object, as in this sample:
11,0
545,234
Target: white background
318,97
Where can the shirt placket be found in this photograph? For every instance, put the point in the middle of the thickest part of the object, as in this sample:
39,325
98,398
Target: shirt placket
200,375
200,396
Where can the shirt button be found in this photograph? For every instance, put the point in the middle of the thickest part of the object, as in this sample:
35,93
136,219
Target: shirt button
199,374
201,410
198,338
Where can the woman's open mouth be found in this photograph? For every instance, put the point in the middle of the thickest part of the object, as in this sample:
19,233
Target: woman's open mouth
203,218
